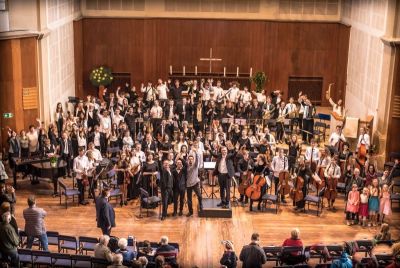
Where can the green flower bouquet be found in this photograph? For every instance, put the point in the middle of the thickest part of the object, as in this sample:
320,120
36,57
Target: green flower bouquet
101,76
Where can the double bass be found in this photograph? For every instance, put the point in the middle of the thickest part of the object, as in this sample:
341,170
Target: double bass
254,190
331,184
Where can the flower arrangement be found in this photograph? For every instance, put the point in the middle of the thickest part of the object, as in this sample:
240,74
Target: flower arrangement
101,76
259,79
53,160
189,84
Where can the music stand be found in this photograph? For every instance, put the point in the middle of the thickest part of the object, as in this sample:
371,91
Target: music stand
240,122
202,190
234,198
211,166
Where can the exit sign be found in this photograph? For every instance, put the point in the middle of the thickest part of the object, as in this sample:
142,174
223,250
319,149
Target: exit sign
8,115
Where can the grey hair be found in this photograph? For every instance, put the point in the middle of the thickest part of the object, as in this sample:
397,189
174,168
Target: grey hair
164,240
104,239
6,217
122,243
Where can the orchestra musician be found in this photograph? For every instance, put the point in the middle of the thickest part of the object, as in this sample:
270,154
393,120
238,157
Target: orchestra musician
304,172
179,175
332,175
244,166
336,139
293,152
281,114
81,166
312,153
123,176
279,164
363,139
260,168
193,181
166,186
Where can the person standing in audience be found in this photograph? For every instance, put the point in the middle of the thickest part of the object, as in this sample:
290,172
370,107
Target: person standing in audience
252,255
9,240
105,215
33,138
34,224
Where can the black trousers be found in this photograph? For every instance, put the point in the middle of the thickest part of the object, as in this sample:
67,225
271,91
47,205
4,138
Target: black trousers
81,189
179,195
224,182
196,189
105,230
279,131
68,159
276,181
165,195
92,187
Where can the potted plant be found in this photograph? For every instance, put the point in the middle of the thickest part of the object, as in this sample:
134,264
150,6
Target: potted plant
53,161
259,79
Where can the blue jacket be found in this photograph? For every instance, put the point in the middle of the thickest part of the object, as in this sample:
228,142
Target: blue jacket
343,262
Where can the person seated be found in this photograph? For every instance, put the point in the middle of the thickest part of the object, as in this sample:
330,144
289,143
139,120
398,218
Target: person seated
293,257
396,256
137,264
166,248
127,254
143,261
4,208
345,260
117,262
101,249
147,251
160,262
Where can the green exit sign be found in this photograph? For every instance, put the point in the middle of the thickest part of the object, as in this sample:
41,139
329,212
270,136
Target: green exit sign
8,115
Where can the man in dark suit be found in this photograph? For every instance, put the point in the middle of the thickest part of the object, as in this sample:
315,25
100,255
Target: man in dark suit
170,110
105,215
252,255
225,171
166,185
92,118
164,129
184,111
98,138
130,120
179,174
176,90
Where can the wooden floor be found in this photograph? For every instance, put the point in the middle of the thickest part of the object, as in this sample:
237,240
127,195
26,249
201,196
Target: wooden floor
199,238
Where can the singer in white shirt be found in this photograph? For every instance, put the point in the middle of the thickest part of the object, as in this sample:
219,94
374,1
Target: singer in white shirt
363,139
279,164
81,166
312,152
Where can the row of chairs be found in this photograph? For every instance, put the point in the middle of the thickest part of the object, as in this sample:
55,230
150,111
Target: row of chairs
64,243
36,258
300,255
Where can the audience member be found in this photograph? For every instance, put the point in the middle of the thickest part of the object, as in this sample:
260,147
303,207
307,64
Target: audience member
165,248
9,240
5,207
396,256
34,224
294,240
7,194
252,255
229,259
105,215
137,264
127,254
117,262
101,249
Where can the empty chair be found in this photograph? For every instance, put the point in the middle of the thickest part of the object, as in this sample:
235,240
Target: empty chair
273,253
99,263
61,260
274,199
41,258
365,246
292,255
66,243
87,244
67,192
52,238
335,251
148,202
384,259
315,200
81,261
25,257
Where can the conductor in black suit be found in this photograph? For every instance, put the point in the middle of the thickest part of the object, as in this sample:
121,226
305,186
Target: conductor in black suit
105,215
166,186
225,171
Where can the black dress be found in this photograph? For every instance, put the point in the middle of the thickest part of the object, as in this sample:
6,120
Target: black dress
121,174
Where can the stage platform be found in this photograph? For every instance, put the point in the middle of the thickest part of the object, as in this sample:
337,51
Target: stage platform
210,209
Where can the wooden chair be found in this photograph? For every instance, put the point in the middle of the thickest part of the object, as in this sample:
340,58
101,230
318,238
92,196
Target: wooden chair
67,192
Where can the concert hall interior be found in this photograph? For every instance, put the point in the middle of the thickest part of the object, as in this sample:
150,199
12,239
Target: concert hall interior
200,133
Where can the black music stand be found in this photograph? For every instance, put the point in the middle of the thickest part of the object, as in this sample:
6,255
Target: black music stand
202,177
211,166
235,201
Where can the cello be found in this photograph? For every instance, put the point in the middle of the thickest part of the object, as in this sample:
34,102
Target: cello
254,190
284,187
296,193
245,182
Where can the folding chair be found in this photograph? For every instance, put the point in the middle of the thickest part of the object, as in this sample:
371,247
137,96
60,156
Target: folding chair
66,242
25,257
81,261
365,246
292,256
274,199
67,192
41,258
317,200
61,260
273,253
87,244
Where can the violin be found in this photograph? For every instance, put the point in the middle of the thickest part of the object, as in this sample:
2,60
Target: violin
254,190
245,182
284,187
296,193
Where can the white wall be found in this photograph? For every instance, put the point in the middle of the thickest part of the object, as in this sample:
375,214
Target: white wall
366,53
57,53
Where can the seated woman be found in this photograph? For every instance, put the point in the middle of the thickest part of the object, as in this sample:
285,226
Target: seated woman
293,257
127,254
294,240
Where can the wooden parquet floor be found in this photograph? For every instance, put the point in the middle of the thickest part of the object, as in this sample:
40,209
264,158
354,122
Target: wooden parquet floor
199,238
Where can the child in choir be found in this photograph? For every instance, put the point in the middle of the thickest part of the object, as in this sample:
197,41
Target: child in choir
353,202
363,210
384,205
373,202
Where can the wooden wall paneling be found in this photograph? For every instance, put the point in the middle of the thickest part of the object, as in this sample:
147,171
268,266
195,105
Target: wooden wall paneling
147,47
78,58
